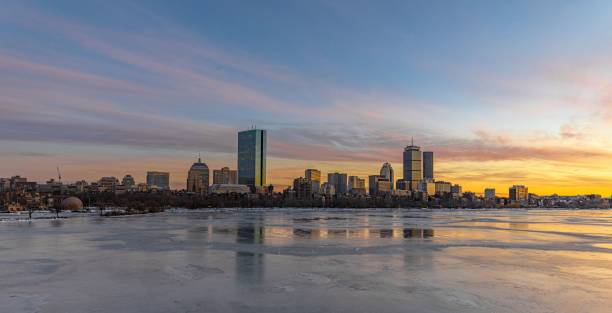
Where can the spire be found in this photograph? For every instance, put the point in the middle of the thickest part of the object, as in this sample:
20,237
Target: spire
412,141
199,158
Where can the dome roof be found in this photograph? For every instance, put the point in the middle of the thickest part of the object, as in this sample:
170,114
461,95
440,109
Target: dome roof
72,203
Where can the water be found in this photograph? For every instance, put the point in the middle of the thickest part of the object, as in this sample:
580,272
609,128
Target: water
310,261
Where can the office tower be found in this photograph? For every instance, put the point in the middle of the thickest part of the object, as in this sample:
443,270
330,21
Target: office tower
128,181
303,188
198,178
356,185
159,180
339,180
386,172
225,176
518,194
252,157
428,165
489,193
315,179
412,165
401,184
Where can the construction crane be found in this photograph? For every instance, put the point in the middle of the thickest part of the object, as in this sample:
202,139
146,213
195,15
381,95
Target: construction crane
59,175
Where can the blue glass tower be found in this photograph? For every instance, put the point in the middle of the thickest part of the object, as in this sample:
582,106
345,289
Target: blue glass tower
252,157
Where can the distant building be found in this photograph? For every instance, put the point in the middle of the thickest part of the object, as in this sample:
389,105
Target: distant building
443,187
356,185
303,188
128,181
373,184
401,184
427,186
229,188
518,194
412,165
456,189
328,189
225,176
386,172
252,157
340,182
158,180
108,184
428,165
489,193
198,177
315,179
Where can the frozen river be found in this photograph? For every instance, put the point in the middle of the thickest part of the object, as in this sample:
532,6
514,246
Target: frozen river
310,261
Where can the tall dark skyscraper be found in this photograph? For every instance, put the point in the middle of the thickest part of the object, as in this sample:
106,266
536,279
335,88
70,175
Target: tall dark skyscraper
412,165
428,165
340,182
252,157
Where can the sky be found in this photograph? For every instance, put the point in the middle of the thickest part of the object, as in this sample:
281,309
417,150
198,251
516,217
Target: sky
503,92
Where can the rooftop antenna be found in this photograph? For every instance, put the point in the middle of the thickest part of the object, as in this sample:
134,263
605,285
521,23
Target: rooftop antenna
412,141
199,158
59,175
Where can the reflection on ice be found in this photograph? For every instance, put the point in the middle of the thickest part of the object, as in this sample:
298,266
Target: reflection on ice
310,260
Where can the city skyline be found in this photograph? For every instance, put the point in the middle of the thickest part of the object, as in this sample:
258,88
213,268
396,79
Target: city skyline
112,89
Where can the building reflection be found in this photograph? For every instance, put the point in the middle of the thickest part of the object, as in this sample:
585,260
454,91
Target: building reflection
249,265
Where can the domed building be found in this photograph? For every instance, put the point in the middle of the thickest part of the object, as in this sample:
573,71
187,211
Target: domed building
72,204
198,178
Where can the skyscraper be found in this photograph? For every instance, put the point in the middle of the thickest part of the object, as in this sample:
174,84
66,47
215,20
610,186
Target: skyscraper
356,185
412,165
518,194
339,180
252,157
386,172
428,165
160,180
315,178
489,193
225,176
198,178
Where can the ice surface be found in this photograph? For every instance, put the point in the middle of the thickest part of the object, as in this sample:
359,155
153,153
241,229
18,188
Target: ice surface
310,261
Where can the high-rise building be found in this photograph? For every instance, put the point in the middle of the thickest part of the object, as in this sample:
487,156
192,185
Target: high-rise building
386,172
518,194
128,181
443,187
428,165
198,177
489,193
356,185
252,157
315,178
302,188
340,182
159,180
225,176
412,165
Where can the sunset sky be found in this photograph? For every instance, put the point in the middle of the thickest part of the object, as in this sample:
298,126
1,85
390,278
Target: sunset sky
503,92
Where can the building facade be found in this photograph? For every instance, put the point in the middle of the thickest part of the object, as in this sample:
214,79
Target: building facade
413,166
387,173
128,181
198,178
252,157
340,182
315,179
428,165
303,188
160,180
518,194
489,193
225,176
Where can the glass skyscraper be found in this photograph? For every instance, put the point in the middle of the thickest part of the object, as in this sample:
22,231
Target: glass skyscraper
252,157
